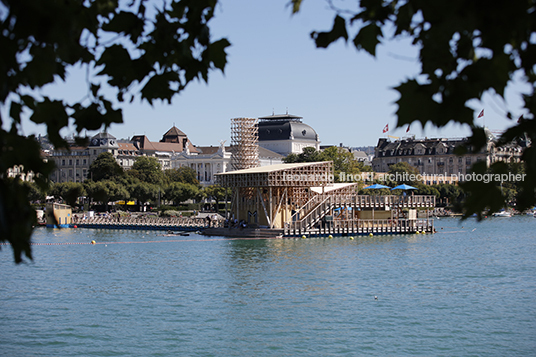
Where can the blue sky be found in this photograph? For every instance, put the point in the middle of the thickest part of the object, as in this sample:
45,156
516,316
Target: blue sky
273,66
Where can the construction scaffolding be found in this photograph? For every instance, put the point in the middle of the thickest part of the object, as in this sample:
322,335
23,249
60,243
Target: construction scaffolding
244,136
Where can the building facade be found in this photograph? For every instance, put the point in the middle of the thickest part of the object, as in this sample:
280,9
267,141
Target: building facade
438,157
286,134
210,160
73,165
173,151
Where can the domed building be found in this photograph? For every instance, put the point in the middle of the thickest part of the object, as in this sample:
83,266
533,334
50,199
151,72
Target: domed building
286,134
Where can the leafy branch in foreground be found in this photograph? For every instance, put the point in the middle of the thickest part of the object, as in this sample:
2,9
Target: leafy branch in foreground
466,49
129,47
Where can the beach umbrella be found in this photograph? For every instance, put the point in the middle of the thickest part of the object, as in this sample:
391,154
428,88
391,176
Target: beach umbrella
376,186
404,187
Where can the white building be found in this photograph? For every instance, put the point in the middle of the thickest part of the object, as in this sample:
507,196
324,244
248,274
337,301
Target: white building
210,160
286,134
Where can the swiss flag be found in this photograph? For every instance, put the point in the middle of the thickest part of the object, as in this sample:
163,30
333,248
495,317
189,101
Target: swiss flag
386,129
481,114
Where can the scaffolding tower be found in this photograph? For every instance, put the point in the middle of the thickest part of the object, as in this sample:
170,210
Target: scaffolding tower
244,137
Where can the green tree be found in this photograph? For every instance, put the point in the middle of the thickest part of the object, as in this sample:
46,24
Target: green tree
125,180
290,158
147,169
464,52
68,191
105,191
104,167
217,193
427,190
308,154
343,161
144,192
128,51
36,193
182,174
179,192
404,173
452,192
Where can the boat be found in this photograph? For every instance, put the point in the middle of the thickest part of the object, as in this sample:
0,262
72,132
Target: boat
502,214
178,233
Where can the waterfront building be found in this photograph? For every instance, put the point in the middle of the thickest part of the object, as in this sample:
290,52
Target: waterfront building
73,165
174,150
286,134
207,161
438,156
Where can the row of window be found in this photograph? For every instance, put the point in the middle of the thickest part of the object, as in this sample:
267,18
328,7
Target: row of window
70,162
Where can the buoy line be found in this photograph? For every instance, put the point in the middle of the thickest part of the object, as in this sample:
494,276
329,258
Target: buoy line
449,232
149,241
93,242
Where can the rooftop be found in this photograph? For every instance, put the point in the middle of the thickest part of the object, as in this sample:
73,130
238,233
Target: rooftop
283,117
271,168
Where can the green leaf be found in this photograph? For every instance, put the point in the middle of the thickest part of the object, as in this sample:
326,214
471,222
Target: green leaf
158,87
368,38
324,39
117,65
127,23
217,53
14,111
53,114
295,5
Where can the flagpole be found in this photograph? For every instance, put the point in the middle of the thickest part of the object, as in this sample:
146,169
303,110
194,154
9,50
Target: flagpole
481,115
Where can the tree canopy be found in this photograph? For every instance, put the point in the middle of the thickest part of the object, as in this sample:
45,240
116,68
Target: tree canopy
466,49
147,169
404,173
182,174
129,51
343,160
179,192
104,167
68,191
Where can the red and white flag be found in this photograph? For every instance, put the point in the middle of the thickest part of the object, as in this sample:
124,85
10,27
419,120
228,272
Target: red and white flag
386,129
481,114
407,130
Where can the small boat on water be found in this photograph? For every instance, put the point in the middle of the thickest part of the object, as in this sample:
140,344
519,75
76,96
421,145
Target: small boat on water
502,214
178,233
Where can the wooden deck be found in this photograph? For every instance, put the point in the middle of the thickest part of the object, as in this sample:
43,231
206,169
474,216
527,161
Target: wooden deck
366,226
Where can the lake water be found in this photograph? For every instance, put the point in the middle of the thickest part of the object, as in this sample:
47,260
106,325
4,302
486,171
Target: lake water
469,290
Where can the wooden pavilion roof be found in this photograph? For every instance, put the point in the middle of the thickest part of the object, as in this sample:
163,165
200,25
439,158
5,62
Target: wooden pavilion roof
307,174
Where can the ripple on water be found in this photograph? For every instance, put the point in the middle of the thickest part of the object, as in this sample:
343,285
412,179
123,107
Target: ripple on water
468,290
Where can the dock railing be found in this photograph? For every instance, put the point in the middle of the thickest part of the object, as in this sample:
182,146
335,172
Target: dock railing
366,226
320,205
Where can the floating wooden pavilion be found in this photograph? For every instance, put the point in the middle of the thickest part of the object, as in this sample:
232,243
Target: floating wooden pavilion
300,199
